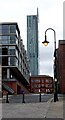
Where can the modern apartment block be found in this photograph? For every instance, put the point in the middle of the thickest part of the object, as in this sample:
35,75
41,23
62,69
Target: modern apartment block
61,66
32,42
15,63
41,83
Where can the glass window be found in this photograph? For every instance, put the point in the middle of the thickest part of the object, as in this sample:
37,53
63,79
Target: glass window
4,73
37,85
32,80
37,81
12,51
12,61
12,39
48,85
5,29
42,85
0,29
0,39
47,80
12,29
42,80
5,39
0,51
50,81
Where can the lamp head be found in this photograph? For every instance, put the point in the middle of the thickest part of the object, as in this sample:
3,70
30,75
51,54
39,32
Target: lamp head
45,42
55,80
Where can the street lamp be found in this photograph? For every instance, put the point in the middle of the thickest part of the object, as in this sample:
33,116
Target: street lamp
45,42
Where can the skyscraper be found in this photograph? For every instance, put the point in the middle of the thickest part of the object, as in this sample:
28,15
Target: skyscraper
32,42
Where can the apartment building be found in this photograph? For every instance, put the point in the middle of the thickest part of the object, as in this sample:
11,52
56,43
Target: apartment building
15,63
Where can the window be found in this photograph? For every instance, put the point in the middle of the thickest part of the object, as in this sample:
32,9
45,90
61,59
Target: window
5,29
0,29
0,51
50,81
37,81
0,39
12,39
42,81
47,80
32,80
4,73
5,39
42,85
29,21
12,50
48,85
37,85
12,61
12,29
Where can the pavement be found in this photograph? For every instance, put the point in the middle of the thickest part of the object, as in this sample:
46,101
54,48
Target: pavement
49,109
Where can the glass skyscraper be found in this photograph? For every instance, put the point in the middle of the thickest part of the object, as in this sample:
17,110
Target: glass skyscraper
32,42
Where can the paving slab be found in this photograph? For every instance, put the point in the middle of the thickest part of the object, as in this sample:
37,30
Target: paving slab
45,110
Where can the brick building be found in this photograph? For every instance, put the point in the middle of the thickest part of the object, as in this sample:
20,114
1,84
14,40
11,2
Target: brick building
61,65
41,83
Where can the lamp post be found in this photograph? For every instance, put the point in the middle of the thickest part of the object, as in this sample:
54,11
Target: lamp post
45,42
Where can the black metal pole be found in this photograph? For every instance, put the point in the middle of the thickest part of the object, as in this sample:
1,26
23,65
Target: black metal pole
55,94
40,97
56,91
7,101
23,98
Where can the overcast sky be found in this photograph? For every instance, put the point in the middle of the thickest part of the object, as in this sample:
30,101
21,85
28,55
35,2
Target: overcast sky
50,15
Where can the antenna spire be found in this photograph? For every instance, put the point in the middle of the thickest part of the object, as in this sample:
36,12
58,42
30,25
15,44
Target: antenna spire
37,15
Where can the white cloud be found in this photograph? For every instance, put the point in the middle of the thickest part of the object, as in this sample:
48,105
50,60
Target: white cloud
50,15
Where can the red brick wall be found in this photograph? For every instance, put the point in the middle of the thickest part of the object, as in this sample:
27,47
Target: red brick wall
41,84
13,85
61,66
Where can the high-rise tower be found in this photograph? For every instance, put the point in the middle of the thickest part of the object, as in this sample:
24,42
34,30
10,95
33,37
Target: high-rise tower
32,42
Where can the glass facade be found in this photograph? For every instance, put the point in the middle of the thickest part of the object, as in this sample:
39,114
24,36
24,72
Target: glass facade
13,51
32,43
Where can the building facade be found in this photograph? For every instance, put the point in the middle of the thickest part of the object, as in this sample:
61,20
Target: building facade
41,83
32,43
15,63
61,66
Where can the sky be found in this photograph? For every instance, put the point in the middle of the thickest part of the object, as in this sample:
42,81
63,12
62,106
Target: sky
50,15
